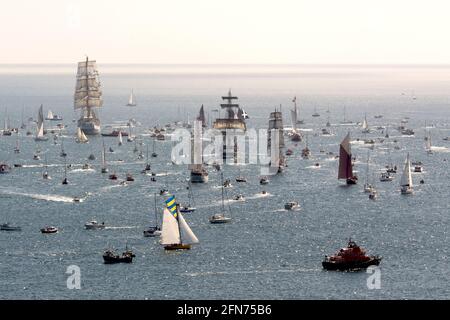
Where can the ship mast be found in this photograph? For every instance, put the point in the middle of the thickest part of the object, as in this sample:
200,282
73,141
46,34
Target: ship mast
87,89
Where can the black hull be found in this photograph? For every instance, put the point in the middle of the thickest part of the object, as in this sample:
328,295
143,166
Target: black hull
344,266
111,260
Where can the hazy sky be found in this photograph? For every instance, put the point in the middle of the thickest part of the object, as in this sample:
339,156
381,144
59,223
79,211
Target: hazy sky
228,31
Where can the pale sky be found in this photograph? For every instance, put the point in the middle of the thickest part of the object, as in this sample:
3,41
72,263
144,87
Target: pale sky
227,31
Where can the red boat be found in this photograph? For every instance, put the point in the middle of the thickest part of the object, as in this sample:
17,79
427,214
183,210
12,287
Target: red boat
352,257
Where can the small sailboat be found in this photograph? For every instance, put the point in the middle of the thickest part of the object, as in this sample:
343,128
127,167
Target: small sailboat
428,143
295,113
131,100
65,181
147,165
130,137
81,137
52,117
306,152
406,184
365,125
154,154
45,174
62,153
120,138
220,217
315,114
189,207
176,233
153,231
104,167
17,148
40,126
345,162
367,186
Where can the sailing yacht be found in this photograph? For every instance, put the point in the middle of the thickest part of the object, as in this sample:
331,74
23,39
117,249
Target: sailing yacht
104,168
199,174
88,95
295,136
40,126
154,154
52,117
306,152
345,121
406,185
81,137
17,148
315,114
188,208
45,174
131,100
153,231
176,233
295,113
65,181
428,143
120,138
345,162
365,125
220,217
368,188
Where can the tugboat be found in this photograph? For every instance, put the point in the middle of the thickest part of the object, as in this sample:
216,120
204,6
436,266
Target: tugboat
110,257
352,257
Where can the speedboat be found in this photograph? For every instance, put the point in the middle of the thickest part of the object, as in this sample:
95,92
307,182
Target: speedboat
152,232
4,168
239,197
264,180
49,229
8,227
110,257
241,179
219,218
352,257
186,209
292,205
385,176
94,225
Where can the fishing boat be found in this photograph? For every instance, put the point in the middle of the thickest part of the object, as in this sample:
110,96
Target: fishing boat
220,218
94,225
292,205
8,227
81,137
52,117
406,184
345,162
176,233
40,126
110,257
49,229
4,168
352,257
88,95
153,231
131,100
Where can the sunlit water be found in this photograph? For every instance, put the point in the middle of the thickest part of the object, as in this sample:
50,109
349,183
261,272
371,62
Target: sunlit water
266,252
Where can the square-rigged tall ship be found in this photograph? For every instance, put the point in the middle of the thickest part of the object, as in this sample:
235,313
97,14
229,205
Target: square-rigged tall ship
88,95
234,120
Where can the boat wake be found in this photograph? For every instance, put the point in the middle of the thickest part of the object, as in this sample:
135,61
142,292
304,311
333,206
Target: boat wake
45,197
212,273
82,170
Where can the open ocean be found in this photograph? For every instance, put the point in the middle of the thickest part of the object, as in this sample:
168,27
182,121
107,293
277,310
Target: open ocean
265,252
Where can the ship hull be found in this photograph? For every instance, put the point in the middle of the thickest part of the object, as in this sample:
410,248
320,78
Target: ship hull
177,247
355,265
89,126
199,178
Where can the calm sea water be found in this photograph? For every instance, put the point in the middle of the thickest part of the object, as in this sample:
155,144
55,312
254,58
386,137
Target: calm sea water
266,252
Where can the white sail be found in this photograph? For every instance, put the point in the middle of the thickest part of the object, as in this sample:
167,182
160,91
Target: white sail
428,142
187,236
88,91
170,233
40,123
120,137
81,137
49,114
131,100
364,124
406,179
294,119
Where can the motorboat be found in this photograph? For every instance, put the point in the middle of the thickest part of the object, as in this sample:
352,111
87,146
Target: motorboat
113,176
49,229
94,225
227,183
292,205
110,257
239,197
8,227
219,218
152,232
352,257
418,168
129,177
385,176
264,180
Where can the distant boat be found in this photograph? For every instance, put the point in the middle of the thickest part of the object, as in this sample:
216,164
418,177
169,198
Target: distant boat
40,126
153,231
4,168
428,143
315,114
8,227
365,126
94,225
45,174
65,181
109,257
201,117
406,183
345,121
176,233
367,186
49,229
295,113
131,100
104,167
81,137
52,117
120,138
189,207
345,161
17,148
220,217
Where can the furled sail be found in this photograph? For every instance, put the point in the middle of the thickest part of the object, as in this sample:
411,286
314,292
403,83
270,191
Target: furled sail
345,159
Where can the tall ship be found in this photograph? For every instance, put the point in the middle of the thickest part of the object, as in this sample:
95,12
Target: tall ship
88,95
234,119
276,124
345,161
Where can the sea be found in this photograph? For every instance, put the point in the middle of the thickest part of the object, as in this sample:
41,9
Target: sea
265,252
